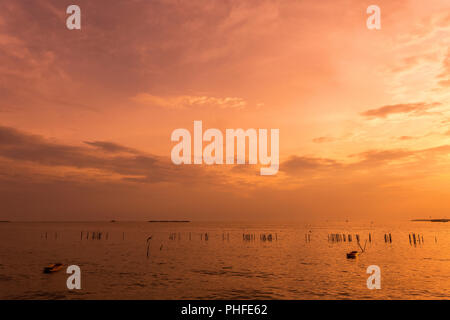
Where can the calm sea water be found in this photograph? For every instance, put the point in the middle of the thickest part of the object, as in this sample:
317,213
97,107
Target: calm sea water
185,266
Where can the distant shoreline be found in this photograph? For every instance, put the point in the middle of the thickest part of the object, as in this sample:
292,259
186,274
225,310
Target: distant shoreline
169,221
431,220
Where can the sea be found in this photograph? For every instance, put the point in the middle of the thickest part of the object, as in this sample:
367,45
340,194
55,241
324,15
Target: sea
225,260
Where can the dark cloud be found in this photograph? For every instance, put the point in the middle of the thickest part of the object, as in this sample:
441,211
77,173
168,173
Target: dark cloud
136,166
385,111
10,137
296,164
110,146
370,159
373,158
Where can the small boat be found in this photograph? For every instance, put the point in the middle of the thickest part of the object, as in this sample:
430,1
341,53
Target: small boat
352,255
53,268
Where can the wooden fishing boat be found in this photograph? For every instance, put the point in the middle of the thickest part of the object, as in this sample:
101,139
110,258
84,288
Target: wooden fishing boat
352,255
53,268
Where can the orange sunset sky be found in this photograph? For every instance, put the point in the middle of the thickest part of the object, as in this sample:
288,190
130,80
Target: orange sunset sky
86,115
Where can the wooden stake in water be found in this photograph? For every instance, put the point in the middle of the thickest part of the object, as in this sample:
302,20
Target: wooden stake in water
148,244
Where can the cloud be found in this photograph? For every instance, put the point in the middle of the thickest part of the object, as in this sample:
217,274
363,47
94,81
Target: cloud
445,75
373,158
186,101
405,138
404,108
323,139
409,62
370,159
135,166
110,147
445,83
299,164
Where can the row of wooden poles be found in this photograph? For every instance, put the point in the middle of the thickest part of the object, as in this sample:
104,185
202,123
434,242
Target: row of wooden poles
262,237
387,238
338,237
417,239
84,235
308,237
203,236
332,237
94,235
226,236
47,236
342,237
98,235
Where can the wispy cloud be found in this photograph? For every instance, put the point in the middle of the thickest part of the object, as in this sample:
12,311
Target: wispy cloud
403,108
374,158
110,147
405,138
444,77
323,139
301,164
186,101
